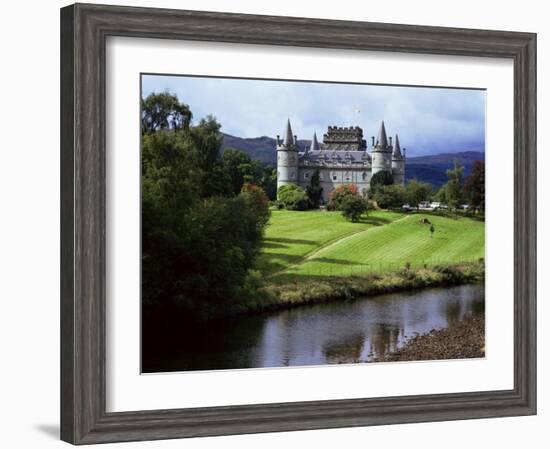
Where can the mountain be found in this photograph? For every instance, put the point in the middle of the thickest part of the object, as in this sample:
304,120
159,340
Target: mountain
433,168
260,148
430,168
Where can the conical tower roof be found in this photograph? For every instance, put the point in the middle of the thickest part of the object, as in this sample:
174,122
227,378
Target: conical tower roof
397,149
289,137
314,143
382,137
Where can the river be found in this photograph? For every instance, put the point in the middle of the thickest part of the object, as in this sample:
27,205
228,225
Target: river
338,332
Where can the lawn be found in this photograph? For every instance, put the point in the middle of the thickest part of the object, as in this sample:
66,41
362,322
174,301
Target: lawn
291,235
299,244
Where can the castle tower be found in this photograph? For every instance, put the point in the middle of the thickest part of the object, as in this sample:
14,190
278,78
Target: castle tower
398,163
287,158
382,152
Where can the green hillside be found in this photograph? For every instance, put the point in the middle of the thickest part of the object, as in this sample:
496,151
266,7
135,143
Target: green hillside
291,235
324,244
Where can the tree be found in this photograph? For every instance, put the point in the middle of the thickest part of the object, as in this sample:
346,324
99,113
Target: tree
199,239
293,197
234,161
353,206
339,193
393,195
452,189
417,192
163,111
258,201
381,178
242,169
474,186
269,182
314,190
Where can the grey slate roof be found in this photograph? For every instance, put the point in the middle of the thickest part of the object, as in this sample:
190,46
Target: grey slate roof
314,144
397,149
382,137
289,137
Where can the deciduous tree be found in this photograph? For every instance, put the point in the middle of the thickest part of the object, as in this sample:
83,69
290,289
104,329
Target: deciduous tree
163,111
474,186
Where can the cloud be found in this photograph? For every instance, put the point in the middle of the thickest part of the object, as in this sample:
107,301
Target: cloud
428,120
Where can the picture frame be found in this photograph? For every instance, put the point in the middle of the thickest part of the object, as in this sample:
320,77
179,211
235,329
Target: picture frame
84,29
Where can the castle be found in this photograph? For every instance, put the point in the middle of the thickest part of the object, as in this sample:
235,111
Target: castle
341,159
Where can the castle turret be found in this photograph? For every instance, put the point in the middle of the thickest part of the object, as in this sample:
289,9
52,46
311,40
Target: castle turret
382,152
314,143
398,163
287,158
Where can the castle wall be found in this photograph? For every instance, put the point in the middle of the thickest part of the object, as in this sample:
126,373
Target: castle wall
333,177
398,171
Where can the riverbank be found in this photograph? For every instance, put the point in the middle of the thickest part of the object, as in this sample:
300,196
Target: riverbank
464,340
308,290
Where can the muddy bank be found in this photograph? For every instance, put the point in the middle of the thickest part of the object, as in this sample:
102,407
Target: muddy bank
464,340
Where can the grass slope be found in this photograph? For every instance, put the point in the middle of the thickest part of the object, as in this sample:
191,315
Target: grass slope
321,245
291,236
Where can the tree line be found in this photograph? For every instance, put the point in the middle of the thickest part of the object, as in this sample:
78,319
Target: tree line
385,194
203,214
455,192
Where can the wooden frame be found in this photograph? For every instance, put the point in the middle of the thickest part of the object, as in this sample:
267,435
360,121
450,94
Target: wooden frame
84,29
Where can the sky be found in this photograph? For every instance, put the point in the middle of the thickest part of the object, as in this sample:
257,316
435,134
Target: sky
428,120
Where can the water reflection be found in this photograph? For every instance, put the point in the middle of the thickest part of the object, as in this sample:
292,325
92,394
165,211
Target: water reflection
338,332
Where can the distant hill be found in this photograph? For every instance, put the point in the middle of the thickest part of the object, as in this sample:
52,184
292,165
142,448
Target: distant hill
260,148
433,168
424,168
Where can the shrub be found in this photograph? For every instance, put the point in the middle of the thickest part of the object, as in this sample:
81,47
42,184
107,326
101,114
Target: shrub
258,201
293,197
393,195
338,194
353,206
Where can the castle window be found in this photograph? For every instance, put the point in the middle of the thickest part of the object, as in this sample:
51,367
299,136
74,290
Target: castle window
306,175
364,176
334,177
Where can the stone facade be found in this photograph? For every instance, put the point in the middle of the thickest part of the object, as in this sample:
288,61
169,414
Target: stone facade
341,159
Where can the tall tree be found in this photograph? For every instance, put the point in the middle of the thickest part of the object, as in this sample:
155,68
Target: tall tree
269,182
453,192
418,192
242,170
234,160
381,178
314,190
163,111
474,186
